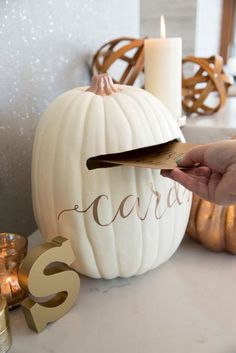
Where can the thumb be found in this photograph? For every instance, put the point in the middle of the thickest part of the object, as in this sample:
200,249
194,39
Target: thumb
193,156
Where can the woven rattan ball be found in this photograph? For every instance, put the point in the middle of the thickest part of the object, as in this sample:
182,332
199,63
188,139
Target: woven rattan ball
206,91
128,50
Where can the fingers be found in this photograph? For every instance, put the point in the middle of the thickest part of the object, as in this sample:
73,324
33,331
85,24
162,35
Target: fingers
214,180
166,173
193,156
200,172
190,182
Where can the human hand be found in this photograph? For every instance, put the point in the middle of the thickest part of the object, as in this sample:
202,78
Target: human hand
210,173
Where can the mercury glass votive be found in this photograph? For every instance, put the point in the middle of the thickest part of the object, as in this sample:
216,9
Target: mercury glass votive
5,332
13,248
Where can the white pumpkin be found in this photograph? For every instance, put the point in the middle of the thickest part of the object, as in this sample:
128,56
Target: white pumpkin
122,221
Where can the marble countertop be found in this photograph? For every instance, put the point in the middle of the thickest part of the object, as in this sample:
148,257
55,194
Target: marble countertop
222,125
185,305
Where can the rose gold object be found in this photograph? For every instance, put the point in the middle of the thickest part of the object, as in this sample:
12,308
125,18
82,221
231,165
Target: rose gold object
102,85
13,248
212,225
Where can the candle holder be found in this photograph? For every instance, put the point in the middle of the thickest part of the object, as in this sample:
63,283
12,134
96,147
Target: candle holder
5,332
13,248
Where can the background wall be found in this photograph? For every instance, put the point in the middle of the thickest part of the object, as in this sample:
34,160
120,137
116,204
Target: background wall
208,27
198,22
180,17
46,48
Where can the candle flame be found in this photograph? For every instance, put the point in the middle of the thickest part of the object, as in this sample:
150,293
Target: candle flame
162,27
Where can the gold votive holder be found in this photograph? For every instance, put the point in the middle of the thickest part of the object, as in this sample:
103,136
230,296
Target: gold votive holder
13,248
5,332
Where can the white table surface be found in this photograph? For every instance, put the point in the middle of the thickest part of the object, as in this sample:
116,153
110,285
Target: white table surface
222,125
187,305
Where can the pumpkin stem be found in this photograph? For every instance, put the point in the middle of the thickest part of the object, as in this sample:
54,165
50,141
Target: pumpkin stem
102,85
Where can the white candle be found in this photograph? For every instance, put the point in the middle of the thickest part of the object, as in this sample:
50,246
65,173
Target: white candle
163,70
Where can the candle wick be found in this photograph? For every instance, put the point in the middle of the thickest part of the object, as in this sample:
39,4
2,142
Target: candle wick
162,27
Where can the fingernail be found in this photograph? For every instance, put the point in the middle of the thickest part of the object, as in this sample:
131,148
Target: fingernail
178,159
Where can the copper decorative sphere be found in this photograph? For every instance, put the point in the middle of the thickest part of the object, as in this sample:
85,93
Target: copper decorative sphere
205,91
128,52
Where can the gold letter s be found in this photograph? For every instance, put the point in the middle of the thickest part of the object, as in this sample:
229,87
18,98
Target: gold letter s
43,273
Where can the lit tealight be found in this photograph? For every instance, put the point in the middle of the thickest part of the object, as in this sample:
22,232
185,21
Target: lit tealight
13,248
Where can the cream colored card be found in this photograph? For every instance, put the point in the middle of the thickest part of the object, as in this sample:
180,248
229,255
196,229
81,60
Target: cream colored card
162,156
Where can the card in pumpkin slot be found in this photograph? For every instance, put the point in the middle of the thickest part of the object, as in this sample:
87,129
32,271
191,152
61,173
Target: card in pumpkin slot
161,156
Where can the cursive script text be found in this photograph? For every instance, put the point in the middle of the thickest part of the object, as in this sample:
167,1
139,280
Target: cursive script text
174,196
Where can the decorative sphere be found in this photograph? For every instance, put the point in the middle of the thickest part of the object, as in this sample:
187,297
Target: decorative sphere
205,92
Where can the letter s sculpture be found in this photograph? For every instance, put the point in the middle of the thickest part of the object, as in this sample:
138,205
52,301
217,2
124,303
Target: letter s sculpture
45,273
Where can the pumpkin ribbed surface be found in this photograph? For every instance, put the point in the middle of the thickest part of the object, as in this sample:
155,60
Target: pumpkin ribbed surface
122,221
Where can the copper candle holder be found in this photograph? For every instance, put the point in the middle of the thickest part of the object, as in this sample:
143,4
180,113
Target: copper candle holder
13,248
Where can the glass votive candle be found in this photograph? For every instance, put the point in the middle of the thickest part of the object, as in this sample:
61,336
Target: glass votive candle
5,332
13,248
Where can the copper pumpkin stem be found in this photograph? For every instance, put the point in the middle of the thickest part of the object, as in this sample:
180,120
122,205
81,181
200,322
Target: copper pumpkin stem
102,85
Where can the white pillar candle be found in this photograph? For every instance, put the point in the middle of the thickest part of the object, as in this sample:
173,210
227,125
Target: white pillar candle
163,70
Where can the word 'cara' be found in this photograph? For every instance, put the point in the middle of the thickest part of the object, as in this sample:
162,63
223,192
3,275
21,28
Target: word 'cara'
176,194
